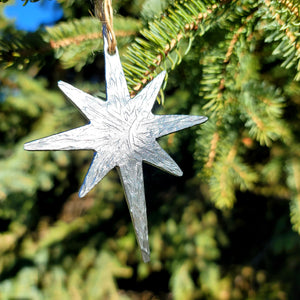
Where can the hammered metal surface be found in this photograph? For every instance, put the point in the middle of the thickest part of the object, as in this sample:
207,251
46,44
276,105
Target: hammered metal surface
122,132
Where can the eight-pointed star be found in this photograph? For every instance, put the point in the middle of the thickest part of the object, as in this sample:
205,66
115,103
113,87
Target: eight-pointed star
122,132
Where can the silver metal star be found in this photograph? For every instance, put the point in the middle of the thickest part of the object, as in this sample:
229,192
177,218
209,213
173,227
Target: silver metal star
122,132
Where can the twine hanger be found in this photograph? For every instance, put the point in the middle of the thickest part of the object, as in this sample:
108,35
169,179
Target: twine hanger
104,11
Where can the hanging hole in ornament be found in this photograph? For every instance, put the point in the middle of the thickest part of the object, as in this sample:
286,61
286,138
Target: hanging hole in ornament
110,52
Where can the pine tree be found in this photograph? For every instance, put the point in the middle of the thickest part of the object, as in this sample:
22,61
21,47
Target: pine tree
223,230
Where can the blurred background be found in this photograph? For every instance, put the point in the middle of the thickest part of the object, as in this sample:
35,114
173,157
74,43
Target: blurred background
229,227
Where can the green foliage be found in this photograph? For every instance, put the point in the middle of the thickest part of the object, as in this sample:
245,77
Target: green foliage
170,37
282,18
76,42
19,110
182,283
58,284
223,230
151,9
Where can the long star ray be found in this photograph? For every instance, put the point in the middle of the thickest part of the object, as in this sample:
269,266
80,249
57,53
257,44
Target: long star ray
64,140
132,179
156,156
86,103
102,163
116,86
164,124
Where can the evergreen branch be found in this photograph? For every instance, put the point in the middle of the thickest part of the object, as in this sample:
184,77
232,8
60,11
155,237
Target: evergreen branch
75,32
291,36
294,9
289,47
217,67
230,172
273,174
294,184
295,213
209,146
244,177
225,82
183,21
212,85
278,191
66,42
74,43
10,239
262,110
22,49
236,36
212,150
221,183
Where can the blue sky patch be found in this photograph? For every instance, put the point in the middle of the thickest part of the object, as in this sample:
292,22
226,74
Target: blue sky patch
31,16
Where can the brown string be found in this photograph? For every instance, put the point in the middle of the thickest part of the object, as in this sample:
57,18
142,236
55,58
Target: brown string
103,10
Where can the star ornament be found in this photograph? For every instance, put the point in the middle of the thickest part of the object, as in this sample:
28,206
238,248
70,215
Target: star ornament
122,132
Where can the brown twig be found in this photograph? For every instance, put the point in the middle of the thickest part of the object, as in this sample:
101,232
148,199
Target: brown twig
213,148
85,37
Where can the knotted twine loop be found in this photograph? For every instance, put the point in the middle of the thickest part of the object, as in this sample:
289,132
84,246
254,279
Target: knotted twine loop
103,10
